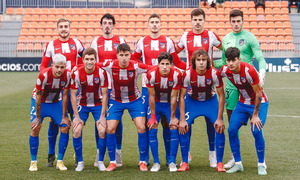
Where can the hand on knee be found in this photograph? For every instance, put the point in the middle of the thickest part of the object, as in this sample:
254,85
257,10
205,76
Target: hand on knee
65,129
77,132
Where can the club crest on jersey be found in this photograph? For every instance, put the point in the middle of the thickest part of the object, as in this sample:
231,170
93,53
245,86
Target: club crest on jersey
208,81
130,74
116,45
96,80
242,41
243,79
62,83
171,83
162,45
72,46
205,40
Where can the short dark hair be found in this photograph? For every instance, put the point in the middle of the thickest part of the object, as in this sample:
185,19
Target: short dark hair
89,51
197,12
123,47
198,53
108,16
232,53
235,13
165,55
154,15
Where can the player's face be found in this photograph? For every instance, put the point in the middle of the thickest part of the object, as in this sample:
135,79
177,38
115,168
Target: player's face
58,69
89,61
124,57
198,23
107,26
164,67
236,24
201,62
63,29
233,65
154,25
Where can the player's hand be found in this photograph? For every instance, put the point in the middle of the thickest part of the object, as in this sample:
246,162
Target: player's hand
102,121
183,127
152,121
74,69
66,120
219,126
36,123
174,122
255,121
76,122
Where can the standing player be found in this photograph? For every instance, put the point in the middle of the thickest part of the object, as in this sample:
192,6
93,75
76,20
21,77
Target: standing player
249,47
200,38
253,104
201,101
163,84
125,95
46,102
71,48
149,48
106,48
93,97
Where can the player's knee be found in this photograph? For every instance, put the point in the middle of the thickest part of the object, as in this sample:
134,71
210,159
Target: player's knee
256,132
232,131
101,132
65,129
111,130
141,129
77,132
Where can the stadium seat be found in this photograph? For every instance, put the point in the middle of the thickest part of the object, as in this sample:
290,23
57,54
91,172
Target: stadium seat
25,25
132,18
278,24
270,24
60,11
261,24
268,11
260,11
84,11
164,11
131,25
290,46
81,32
285,17
263,39
272,46
220,11
226,11
139,32
10,11
28,11
253,18
75,18
280,32
172,32
221,32
245,26
255,32
21,46
49,32
221,25
284,11
277,17
98,32
268,4
19,11
227,4
212,25
156,10
132,11
32,32
130,39
252,11
173,11
90,32
40,32
280,39
246,18
52,11
272,39
51,24
220,18
253,25
235,4
188,25
172,25
34,25
262,32
276,11
147,11
288,39
179,32
288,32
164,32
38,46
271,32
51,18
92,11
275,4
39,38
82,25
43,18
22,39
264,46
140,11
91,25
26,18
180,18
68,11
212,18
269,18
212,11
100,11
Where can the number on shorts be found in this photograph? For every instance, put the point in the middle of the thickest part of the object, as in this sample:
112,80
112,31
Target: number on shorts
31,112
110,105
187,116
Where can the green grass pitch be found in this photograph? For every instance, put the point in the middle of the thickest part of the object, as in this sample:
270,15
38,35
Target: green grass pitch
281,135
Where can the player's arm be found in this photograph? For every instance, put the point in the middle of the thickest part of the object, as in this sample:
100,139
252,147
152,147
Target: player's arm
183,125
65,119
219,124
104,106
38,103
76,120
258,97
152,121
174,121
136,56
178,62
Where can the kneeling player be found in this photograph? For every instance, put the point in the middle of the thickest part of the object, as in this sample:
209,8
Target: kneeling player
253,103
163,84
93,97
201,101
46,102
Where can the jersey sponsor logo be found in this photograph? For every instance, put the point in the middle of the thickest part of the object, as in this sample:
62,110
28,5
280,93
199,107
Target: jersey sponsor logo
73,46
193,81
115,74
189,41
205,40
243,79
57,49
83,82
241,42
146,45
62,83
162,45
116,45
100,45
171,83
130,74
208,81
96,80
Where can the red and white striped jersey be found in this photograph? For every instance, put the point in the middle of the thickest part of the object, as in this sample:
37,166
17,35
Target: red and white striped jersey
51,86
150,48
202,87
191,42
70,49
106,49
89,85
124,87
243,81
163,85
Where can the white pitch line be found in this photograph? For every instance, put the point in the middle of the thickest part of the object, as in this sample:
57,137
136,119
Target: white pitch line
283,88
284,116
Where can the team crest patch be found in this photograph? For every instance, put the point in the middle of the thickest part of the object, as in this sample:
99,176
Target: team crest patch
130,74
171,83
96,80
205,40
62,83
242,41
208,81
116,45
243,79
72,46
162,45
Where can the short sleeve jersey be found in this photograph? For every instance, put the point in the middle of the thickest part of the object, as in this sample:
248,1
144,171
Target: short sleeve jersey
202,86
51,86
243,81
191,42
89,85
163,85
124,80
150,48
71,49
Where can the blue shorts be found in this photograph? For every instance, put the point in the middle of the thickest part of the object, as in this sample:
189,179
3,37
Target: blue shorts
145,98
242,112
195,108
84,112
116,109
53,110
161,109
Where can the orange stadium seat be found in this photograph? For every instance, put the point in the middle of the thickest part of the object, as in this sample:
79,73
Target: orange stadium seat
89,39
51,18
83,17
179,32
92,11
139,25
287,25
141,18
221,25
271,39
278,24
262,32
75,18
90,32
92,18
235,4
91,25
288,39
39,38
43,18
226,11
281,47
268,11
260,11
172,25
172,32
36,11
288,32
220,18
35,18
52,11
19,11
164,11
272,46
147,11
276,11
227,4
220,11
290,46
279,32
124,17
100,11
28,11
261,24
60,11
38,46
252,11
84,11
140,11
26,18
82,25
21,46
221,32
68,11
188,25
10,11
212,25
49,32
212,18
253,18
245,11
246,18
212,11
98,32
132,11
246,25
164,25
269,18
255,32
25,25
73,32
263,39
22,39
164,32
139,32
285,17
156,10
280,39
47,38
76,11
180,25
243,4
122,32
173,18
270,24
51,24
123,25
34,25
74,24
284,4
284,11
131,25
40,32
180,18
275,4
253,25
132,18
268,4
277,17
173,11
271,32
32,32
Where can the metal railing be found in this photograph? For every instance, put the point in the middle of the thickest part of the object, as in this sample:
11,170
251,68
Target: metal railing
35,49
